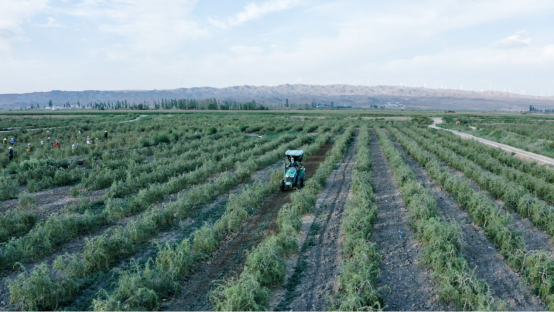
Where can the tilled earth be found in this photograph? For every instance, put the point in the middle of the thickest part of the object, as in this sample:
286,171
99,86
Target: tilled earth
478,250
230,256
318,283
77,245
409,282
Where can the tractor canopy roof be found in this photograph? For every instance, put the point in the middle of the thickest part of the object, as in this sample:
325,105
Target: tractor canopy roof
295,153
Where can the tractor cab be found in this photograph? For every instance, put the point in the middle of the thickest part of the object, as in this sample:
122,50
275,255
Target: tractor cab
294,172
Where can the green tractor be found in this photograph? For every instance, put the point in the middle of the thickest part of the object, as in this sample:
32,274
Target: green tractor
294,173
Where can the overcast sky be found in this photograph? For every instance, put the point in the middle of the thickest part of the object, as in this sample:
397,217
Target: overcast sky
166,44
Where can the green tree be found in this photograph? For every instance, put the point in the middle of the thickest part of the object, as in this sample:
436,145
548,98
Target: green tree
287,103
50,103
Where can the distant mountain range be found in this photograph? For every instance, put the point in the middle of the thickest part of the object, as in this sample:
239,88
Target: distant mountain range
341,95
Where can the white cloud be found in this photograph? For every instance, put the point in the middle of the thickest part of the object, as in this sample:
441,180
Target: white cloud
150,26
12,15
514,41
254,11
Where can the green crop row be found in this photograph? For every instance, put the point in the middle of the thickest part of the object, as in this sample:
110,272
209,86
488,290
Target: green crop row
537,266
531,168
60,228
360,265
514,196
139,175
266,265
493,133
477,155
142,287
163,171
13,222
160,276
18,220
69,272
442,241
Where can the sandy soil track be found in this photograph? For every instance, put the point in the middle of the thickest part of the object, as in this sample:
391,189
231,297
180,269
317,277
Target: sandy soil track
410,284
489,265
522,154
229,259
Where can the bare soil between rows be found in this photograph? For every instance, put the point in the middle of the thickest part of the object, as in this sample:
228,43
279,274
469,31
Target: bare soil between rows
230,256
53,200
535,238
409,282
76,245
318,282
478,250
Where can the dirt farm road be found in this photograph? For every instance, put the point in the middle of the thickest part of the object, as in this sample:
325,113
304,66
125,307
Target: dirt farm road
525,155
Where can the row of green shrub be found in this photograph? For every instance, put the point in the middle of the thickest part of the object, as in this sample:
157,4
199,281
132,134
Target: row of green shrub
483,159
266,265
162,171
60,228
514,196
493,133
536,266
360,265
531,168
441,240
18,220
160,276
142,288
69,273
104,173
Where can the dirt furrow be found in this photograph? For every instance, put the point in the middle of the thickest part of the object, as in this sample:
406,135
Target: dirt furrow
323,256
52,200
410,284
535,238
229,259
185,227
478,251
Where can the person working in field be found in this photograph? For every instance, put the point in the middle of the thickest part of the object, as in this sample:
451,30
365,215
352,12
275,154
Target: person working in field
293,163
57,144
5,141
106,135
10,153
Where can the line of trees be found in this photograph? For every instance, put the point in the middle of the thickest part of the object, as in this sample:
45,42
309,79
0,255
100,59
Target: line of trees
186,104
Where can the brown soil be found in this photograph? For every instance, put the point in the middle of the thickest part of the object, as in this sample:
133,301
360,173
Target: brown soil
52,200
208,213
76,245
478,251
229,258
319,282
535,238
410,283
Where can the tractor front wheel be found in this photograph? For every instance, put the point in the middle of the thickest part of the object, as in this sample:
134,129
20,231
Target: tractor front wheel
299,184
282,186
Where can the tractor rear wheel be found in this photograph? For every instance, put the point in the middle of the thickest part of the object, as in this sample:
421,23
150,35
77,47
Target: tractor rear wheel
282,185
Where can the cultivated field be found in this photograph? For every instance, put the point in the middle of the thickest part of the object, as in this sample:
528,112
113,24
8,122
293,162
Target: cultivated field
183,211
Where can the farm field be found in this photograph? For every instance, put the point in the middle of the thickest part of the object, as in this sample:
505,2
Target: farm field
184,211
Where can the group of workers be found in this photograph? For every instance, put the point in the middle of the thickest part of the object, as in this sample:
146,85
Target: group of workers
57,145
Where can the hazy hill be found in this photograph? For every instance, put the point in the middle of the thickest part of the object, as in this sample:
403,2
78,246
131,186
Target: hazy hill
346,95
